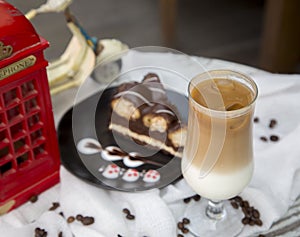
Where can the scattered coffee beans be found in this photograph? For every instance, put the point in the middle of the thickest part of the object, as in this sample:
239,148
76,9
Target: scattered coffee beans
251,215
88,220
38,232
79,217
234,205
129,216
263,138
195,197
126,211
181,225
33,198
55,205
274,138
186,200
186,221
71,219
185,230
272,123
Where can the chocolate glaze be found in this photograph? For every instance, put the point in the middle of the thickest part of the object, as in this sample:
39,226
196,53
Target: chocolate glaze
175,126
151,77
152,81
136,93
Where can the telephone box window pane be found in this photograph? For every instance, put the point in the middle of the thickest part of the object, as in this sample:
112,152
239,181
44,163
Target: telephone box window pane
13,113
18,145
21,160
31,105
40,150
4,152
28,88
2,121
10,97
33,120
35,136
6,167
17,130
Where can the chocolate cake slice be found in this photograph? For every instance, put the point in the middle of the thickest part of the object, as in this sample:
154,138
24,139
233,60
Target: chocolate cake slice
142,111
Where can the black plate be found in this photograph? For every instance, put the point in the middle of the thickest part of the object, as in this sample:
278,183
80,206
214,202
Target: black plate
90,119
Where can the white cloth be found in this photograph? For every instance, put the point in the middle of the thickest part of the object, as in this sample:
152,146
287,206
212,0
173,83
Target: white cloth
274,186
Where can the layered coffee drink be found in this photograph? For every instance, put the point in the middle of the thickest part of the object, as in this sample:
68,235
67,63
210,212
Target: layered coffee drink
218,155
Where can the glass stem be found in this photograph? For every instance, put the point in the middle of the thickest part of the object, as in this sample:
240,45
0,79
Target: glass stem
215,210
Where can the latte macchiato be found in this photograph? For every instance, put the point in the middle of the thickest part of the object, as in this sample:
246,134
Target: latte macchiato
218,156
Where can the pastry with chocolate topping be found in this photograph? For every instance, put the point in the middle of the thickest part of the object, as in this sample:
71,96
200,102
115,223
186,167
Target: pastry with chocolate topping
142,111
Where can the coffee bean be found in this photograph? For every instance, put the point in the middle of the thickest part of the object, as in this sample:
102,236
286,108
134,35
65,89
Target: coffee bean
185,230
272,123
196,197
274,138
180,225
256,214
88,220
79,217
40,232
245,204
120,235
71,219
261,235
234,205
55,205
256,120
245,220
263,138
60,234
33,198
186,221
258,222
251,222
62,214
130,217
186,200
126,211
238,199
180,235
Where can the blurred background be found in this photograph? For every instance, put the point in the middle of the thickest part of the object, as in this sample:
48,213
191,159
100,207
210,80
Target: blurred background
259,33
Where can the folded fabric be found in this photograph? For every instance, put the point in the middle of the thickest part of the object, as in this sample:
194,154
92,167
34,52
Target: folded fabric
274,187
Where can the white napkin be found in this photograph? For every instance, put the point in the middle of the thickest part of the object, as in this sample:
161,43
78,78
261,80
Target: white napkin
274,187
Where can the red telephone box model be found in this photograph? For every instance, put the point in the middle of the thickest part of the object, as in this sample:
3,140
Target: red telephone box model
29,156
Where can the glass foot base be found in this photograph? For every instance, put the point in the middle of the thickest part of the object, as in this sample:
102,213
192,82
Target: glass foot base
229,224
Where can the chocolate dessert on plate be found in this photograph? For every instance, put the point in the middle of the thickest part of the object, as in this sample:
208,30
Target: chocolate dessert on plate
143,112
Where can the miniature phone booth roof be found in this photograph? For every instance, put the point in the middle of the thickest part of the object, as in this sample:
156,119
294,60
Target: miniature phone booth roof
15,29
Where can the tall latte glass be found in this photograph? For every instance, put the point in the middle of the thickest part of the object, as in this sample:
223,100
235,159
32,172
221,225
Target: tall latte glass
218,155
